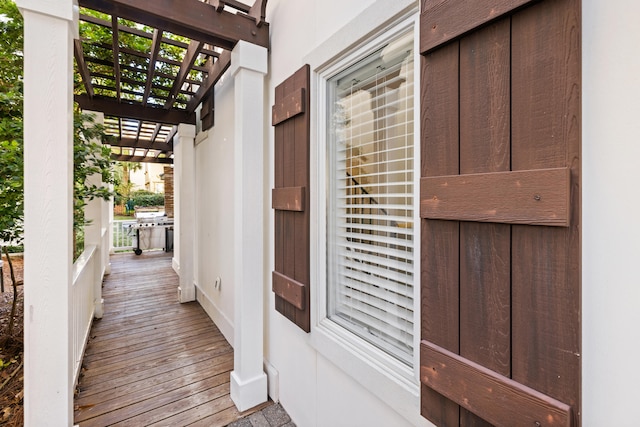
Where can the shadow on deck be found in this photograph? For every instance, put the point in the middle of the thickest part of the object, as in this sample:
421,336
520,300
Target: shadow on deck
150,359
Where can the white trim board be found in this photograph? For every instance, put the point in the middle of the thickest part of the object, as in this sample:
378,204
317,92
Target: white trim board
217,316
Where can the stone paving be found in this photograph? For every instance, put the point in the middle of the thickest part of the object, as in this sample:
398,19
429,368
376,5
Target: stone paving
271,416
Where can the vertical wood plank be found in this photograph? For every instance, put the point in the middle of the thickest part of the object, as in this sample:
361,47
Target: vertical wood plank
485,99
485,300
289,218
546,132
440,239
485,259
279,182
301,179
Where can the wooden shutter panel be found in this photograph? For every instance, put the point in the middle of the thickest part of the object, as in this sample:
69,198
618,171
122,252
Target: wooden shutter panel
207,112
290,198
500,209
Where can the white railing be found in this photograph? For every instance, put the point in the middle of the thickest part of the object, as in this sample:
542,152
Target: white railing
122,236
86,271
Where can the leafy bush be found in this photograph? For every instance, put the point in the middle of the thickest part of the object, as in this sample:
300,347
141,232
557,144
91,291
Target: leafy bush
147,198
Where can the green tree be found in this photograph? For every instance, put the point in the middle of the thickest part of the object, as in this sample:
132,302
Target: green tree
90,156
125,186
11,169
11,154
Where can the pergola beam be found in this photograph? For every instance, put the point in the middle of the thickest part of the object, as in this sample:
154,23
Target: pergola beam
139,130
142,143
155,133
145,55
258,11
140,33
82,66
142,83
155,49
116,54
214,27
193,19
142,159
187,63
216,71
111,107
173,132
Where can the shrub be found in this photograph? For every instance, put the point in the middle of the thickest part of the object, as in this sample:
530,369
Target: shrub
147,198
15,249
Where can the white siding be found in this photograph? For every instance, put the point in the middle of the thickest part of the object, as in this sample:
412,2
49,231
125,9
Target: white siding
215,212
611,234
314,390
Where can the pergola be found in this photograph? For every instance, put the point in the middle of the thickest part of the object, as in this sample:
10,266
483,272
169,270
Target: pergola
149,65
148,70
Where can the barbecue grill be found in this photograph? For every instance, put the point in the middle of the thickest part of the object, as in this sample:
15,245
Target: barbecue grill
152,231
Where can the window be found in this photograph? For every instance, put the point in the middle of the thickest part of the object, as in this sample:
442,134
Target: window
370,197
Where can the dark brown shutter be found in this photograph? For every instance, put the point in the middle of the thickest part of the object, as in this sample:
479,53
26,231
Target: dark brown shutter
207,112
290,198
500,208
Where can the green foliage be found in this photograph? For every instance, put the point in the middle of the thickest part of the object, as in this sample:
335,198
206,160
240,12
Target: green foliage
90,156
11,123
14,249
145,198
125,186
11,191
6,364
11,44
133,66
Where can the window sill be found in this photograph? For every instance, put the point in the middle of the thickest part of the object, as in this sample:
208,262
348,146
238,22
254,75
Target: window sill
383,376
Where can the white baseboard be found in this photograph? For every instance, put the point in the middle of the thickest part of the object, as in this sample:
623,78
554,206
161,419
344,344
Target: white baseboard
273,381
219,318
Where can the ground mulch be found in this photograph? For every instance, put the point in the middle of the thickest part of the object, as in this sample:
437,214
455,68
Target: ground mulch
11,348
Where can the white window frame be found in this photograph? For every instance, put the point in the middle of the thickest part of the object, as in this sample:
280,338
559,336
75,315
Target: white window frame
343,300
390,379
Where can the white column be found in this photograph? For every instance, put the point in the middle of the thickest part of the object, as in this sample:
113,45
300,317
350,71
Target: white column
184,210
93,212
49,29
106,213
248,380
109,213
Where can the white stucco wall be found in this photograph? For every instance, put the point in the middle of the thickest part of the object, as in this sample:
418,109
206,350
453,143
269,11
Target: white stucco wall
314,390
215,212
611,205
318,392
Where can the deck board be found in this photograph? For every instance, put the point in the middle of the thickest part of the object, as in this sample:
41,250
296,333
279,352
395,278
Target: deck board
151,360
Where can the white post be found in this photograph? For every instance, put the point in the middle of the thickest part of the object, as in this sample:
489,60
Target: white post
184,210
49,28
109,214
93,215
106,213
248,380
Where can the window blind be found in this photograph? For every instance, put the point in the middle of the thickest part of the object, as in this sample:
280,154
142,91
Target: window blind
371,191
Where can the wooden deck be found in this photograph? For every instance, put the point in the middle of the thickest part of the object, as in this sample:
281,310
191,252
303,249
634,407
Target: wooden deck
150,359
